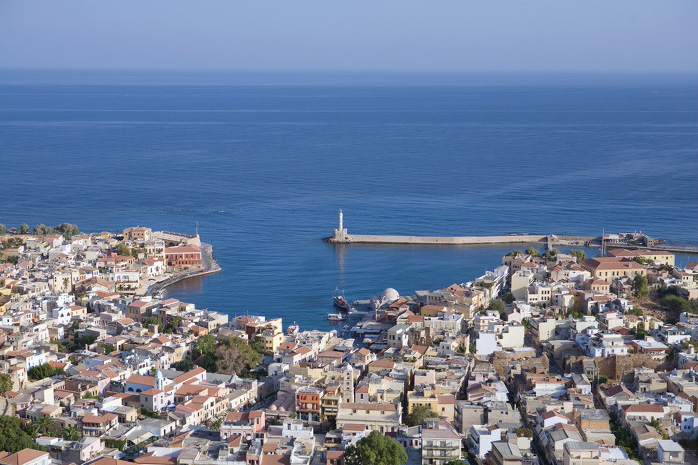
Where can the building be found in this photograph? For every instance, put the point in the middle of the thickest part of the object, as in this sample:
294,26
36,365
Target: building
543,329
657,256
98,425
249,425
608,268
308,403
440,443
581,453
138,234
184,257
669,451
383,417
25,457
505,453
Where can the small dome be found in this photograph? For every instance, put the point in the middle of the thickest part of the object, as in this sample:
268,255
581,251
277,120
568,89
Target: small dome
390,295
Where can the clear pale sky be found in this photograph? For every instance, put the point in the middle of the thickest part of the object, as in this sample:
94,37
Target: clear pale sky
528,35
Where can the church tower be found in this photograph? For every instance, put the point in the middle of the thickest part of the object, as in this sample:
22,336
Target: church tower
159,381
348,383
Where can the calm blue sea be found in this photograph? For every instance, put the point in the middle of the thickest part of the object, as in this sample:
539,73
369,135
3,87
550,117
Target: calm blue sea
264,161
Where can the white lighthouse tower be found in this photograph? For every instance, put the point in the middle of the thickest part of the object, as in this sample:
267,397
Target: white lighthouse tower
340,234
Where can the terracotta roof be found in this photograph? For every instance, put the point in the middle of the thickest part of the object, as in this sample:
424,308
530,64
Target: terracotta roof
188,375
189,248
22,457
383,406
91,418
644,408
141,379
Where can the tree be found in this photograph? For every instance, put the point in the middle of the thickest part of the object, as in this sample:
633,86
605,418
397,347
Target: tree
151,320
44,371
3,229
375,449
5,383
419,414
640,287
41,229
13,438
204,345
514,253
216,424
550,254
676,303
508,298
122,249
45,422
456,462
524,432
68,230
497,304
108,348
71,433
24,228
184,365
172,324
533,251
579,254
236,356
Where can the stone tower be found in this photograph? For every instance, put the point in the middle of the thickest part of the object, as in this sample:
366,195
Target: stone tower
348,383
340,234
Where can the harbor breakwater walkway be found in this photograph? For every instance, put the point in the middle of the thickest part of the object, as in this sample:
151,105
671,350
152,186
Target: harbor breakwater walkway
342,237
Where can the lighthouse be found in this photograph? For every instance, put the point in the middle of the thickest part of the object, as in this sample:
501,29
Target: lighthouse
340,234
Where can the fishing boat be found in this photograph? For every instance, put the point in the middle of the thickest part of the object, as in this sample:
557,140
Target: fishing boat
339,301
336,317
292,329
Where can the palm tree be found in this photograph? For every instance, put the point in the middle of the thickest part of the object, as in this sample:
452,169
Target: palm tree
216,424
32,429
44,423
71,433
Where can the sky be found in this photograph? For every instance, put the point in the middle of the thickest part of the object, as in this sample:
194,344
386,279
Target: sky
459,35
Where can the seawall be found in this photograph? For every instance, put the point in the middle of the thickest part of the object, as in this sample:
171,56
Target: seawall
210,267
431,240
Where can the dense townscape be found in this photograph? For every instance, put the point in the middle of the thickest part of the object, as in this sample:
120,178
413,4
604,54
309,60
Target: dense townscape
551,358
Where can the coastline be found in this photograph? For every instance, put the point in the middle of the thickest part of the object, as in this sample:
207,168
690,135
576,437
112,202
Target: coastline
211,267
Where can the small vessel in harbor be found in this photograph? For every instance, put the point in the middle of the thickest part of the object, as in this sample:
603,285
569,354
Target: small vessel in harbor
339,301
292,329
336,317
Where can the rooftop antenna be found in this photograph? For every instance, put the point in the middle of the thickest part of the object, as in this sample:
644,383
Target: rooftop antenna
603,242
197,228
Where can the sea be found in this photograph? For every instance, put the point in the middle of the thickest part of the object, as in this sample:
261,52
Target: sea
260,163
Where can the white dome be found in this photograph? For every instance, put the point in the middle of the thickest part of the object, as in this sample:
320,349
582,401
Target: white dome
390,295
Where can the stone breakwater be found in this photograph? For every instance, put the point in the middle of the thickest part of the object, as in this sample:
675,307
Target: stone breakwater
343,238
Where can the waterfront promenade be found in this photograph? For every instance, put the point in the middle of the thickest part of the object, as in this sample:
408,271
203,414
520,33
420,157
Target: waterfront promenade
209,266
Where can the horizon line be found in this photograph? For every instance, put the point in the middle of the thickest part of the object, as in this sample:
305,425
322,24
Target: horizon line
362,70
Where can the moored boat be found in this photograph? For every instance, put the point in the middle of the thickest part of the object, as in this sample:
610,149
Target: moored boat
336,317
339,301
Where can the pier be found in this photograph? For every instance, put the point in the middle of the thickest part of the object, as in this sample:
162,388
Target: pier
341,236
549,241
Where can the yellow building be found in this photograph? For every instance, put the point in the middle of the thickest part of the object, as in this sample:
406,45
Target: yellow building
659,257
443,405
607,268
